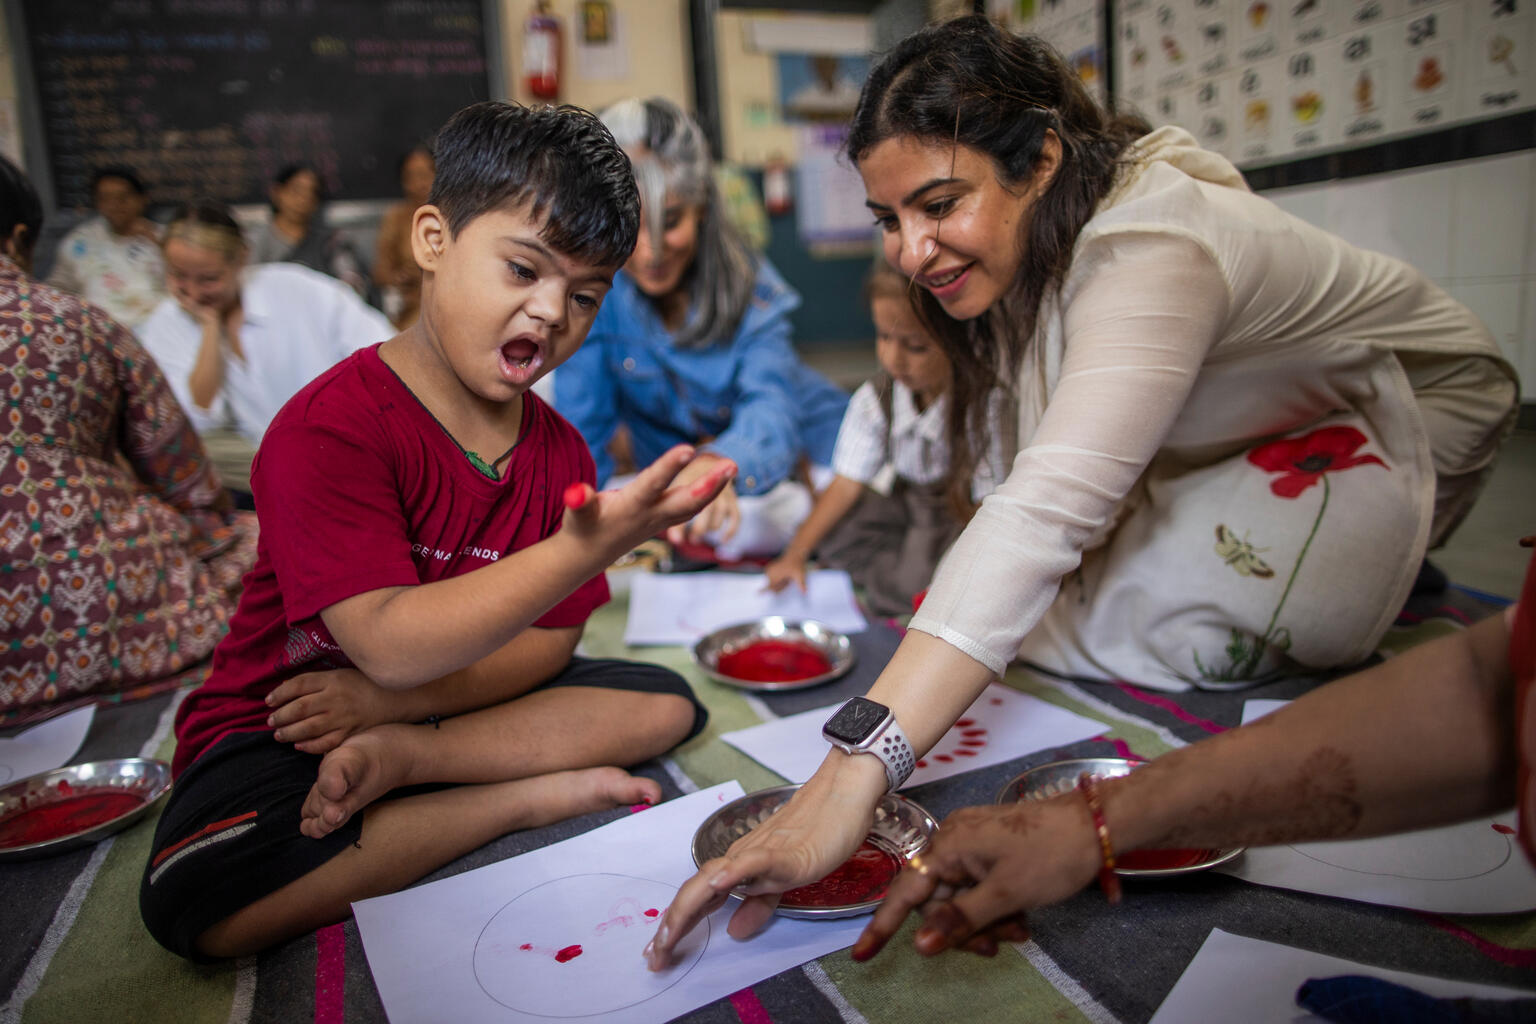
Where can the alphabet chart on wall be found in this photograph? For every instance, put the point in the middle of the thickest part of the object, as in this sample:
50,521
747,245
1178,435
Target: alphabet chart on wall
1263,81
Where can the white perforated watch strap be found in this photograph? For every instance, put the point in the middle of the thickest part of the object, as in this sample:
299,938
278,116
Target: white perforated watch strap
895,752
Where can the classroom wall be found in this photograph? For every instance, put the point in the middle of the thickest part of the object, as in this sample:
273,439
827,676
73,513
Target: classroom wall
659,54
1470,226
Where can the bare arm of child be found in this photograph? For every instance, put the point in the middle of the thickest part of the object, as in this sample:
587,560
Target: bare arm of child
831,506
1423,739
316,711
402,637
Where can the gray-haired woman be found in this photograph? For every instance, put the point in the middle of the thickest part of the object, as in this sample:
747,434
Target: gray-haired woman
693,344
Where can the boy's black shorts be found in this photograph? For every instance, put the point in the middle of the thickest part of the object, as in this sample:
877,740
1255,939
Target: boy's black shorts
229,834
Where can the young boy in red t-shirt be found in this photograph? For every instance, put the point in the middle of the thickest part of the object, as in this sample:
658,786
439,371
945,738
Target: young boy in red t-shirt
415,606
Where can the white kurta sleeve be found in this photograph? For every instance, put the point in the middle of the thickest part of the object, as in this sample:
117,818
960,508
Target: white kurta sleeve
1136,331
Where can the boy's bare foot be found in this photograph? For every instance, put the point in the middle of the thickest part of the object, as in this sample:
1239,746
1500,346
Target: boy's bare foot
367,766
351,777
545,799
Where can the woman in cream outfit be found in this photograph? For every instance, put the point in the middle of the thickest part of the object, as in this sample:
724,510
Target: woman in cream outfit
1239,433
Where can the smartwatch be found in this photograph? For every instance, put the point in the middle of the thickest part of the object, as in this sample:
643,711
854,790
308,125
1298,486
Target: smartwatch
864,726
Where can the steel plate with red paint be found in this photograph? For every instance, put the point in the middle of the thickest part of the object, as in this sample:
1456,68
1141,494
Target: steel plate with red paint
774,653
1059,777
901,829
76,806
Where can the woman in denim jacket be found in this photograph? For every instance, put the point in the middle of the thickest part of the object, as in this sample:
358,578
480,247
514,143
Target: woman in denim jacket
693,346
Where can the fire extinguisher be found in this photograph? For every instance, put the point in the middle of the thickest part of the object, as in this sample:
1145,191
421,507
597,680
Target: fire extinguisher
541,53
778,196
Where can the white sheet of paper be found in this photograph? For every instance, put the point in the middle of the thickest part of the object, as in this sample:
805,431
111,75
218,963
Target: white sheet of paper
679,608
45,746
1471,868
1238,978
558,932
1001,725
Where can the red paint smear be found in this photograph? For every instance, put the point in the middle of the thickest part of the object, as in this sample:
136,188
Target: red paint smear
774,661
973,732
1150,860
652,912
1169,706
526,945
864,876
943,757
330,975
965,723
66,817
637,808
567,954
963,752
921,763
996,701
1503,954
750,1008
972,743
1503,829
1121,747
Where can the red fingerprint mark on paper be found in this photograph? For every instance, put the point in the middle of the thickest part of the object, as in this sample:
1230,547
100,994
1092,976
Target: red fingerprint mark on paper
1503,829
567,954
559,956
997,702
652,912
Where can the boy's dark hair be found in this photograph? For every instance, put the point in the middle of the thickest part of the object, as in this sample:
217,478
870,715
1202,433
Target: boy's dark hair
19,204
559,162
121,172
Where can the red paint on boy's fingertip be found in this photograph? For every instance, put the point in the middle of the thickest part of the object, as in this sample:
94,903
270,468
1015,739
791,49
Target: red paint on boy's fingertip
637,808
575,496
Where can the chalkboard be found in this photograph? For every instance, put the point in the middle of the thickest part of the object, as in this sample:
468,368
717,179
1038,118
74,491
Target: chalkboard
209,98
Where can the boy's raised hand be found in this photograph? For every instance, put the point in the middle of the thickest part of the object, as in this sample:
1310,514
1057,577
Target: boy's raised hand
649,504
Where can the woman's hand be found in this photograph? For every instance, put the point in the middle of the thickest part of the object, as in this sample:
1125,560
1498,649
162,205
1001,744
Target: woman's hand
786,569
207,317
721,517
315,711
805,840
985,868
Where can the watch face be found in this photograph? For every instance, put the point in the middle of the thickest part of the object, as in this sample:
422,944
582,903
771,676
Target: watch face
855,720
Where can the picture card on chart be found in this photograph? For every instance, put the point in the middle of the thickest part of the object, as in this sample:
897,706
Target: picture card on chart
1000,725
681,608
45,746
1238,978
558,932
1474,867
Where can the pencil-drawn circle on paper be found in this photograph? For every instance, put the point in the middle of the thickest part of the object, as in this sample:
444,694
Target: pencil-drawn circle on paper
1450,854
571,947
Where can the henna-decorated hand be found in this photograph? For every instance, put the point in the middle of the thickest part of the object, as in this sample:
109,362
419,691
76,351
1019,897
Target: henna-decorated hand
317,710
985,868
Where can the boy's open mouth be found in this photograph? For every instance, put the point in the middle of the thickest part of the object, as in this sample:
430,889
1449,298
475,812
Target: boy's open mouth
520,357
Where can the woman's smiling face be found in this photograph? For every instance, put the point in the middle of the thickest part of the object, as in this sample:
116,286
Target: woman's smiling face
947,221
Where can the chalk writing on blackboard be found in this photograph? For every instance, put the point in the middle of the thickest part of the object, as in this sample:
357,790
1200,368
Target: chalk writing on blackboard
211,97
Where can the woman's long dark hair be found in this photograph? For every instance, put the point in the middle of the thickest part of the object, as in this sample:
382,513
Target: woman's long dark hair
967,82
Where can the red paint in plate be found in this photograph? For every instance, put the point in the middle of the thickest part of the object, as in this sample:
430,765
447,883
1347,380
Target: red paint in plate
863,877
1163,860
774,661
68,816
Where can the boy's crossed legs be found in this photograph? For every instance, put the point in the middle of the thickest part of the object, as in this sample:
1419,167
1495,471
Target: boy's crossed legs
531,761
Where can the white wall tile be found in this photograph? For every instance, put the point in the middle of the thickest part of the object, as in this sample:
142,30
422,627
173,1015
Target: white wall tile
1407,215
1491,216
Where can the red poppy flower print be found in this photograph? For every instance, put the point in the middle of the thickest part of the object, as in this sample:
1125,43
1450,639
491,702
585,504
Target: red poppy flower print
1304,460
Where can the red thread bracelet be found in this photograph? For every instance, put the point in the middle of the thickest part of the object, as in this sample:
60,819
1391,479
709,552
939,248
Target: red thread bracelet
1108,880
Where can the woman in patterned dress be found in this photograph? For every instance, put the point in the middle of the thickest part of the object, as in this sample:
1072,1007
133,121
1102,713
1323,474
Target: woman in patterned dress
120,556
